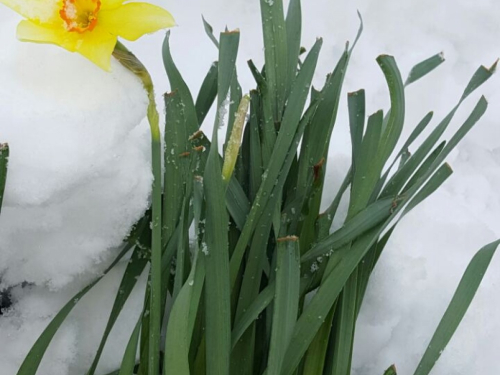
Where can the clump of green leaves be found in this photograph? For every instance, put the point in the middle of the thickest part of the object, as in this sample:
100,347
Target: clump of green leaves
266,287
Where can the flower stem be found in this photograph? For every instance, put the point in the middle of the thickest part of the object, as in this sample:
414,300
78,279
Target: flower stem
128,60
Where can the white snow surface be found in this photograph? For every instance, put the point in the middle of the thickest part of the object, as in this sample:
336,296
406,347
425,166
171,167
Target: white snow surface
64,214
79,178
78,170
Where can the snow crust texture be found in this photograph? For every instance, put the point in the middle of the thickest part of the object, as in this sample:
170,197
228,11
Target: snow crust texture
65,213
79,178
78,171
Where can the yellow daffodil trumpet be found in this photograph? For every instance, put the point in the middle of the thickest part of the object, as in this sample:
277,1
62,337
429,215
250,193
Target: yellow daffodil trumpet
88,27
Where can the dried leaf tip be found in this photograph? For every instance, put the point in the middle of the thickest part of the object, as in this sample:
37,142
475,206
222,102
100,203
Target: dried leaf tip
170,94
493,68
288,239
197,135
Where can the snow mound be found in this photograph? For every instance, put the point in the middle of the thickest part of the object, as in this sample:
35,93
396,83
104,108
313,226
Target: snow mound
79,174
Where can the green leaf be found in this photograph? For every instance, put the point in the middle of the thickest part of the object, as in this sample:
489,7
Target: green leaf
316,356
217,289
4,161
237,203
135,268
391,371
181,123
394,125
366,172
177,83
424,67
227,68
457,308
268,127
128,361
37,351
366,267
343,327
182,251
476,114
481,75
316,140
275,52
182,320
326,219
293,34
242,357
208,92
255,309
370,217
286,301
255,159
210,32
417,131
356,106
178,159
422,170
430,187
360,32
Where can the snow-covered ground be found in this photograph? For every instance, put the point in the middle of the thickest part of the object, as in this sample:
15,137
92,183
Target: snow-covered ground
61,214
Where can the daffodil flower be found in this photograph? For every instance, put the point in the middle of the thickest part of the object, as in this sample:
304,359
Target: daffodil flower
88,27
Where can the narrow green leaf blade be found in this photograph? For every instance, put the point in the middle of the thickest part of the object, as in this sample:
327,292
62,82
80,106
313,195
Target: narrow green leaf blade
343,327
286,301
370,217
210,32
356,105
275,52
394,125
481,75
181,321
177,83
259,304
208,93
4,160
391,371
423,68
457,308
128,362
135,267
217,289
35,355
293,34
417,131
366,172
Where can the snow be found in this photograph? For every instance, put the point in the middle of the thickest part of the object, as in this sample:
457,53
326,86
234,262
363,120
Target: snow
75,209
78,154
79,178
